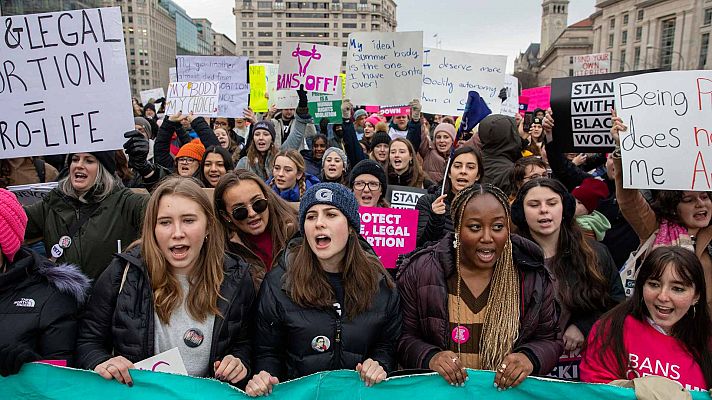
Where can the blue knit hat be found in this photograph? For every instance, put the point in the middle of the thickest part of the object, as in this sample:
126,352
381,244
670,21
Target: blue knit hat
334,194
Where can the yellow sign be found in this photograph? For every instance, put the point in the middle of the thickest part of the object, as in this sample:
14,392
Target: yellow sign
258,89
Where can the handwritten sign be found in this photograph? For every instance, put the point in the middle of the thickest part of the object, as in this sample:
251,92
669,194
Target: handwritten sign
391,232
200,98
172,75
155,94
511,105
449,75
582,109
668,144
384,68
258,89
230,72
315,66
538,97
32,193
64,85
169,361
592,64
404,196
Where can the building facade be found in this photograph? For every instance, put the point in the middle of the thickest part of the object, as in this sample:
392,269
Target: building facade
558,60
187,32
554,19
205,36
263,26
223,45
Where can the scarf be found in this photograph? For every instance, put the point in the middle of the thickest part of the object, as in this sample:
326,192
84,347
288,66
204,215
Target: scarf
671,234
594,222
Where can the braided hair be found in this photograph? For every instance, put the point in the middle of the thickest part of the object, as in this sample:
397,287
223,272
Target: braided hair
501,324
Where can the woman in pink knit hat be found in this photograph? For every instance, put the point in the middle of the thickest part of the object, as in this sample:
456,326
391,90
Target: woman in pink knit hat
38,299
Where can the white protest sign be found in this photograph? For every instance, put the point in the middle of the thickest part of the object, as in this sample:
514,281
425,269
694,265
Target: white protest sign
199,98
448,76
285,99
231,72
32,193
511,105
592,64
384,68
315,66
64,85
154,94
172,75
668,144
169,361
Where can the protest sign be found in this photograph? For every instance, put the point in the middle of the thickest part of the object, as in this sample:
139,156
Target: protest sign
523,104
567,368
325,105
199,98
230,72
64,85
403,196
592,64
668,144
315,66
154,94
390,231
449,75
48,382
582,110
538,97
511,105
169,361
172,75
258,89
32,193
384,68
391,111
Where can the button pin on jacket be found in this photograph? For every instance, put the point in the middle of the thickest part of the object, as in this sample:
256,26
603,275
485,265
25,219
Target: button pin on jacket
321,343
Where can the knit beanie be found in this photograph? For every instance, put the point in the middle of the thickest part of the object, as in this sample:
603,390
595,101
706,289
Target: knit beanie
370,167
359,113
149,106
13,222
143,122
333,194
590,193
382,127
373,120
380,138
194,150
447,128
340,153
107,159
267,126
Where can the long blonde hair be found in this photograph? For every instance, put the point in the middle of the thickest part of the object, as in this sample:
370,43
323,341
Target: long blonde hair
501,325
207,275
298,161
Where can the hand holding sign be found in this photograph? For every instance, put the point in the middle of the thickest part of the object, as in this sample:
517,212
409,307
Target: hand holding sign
230,369
261,384
116,368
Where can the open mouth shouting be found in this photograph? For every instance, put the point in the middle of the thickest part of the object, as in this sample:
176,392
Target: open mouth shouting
322,241
179,252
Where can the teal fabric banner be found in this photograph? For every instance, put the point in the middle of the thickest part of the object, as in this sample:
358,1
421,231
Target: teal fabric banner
44,382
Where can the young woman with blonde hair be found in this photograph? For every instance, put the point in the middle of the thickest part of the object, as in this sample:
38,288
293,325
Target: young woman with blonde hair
289,177
173,288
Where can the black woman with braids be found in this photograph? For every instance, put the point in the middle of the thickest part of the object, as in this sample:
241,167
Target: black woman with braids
479,298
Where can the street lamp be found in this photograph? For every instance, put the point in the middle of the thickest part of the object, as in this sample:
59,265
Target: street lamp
681,61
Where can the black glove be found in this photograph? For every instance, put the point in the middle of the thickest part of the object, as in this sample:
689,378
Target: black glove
503,94
137,150
303,106
13,357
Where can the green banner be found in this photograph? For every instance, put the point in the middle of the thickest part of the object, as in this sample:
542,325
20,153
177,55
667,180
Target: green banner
325,106
44,382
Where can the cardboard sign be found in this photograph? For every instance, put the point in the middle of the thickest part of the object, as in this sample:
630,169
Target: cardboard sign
315,66
449,75
169,361
538,97
230,72
404,196
582,110
592,64
64,85
154,94
32,193
384,68
391,232
511,105
258,89
668,144
199,98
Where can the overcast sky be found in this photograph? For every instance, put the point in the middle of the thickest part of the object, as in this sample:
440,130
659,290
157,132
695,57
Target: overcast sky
481,26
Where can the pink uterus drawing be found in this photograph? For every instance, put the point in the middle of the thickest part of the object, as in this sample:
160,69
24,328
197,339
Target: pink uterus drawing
312,55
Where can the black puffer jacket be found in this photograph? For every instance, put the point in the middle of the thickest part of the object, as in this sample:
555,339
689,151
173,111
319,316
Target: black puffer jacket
122,323
431,226
38,305
285,331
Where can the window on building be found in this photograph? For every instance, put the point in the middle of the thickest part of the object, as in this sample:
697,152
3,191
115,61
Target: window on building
612,23
244,44
625,19
307,25
264,24
708,17
279,24
345,35
264,14
349,6
667,43
349,26
265,53
641,14
250,24
336,24
349,16
622,61
610,40
571,60
264,44
704,48
363,26
624,37
244,24
307,34
636,58
264,5
264,34
571,72
638,34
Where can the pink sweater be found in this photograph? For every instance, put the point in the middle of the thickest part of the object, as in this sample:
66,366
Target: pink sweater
649,353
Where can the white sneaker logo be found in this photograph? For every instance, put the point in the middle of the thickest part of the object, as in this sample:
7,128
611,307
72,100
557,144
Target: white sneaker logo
23,302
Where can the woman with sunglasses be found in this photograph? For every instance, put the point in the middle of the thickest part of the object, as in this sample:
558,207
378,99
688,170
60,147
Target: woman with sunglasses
257,222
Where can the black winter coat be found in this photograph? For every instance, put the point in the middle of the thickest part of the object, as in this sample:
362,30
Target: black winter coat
285,332
122,323
39,301
431,226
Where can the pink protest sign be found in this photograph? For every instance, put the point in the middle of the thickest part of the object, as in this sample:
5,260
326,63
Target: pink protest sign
391,111
315,66
57,363
390,231
538,97
372,109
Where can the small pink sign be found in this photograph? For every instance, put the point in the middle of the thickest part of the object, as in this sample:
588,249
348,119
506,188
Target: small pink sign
390,231
56,363
539,97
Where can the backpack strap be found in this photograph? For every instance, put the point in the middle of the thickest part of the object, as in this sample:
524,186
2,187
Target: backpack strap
40,168
123,278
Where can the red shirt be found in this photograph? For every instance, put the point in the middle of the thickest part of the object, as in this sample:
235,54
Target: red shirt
263,244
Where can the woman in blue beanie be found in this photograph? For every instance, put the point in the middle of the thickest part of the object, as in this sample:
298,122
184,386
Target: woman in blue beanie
328,303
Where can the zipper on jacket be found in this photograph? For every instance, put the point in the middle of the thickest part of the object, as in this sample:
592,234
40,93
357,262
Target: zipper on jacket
336,361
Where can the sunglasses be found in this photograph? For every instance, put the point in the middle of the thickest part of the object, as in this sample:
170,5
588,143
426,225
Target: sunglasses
240,213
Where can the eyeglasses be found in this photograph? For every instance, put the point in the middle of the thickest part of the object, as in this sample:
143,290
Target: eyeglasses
372,186
258,206
535,176
220,123
185,160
